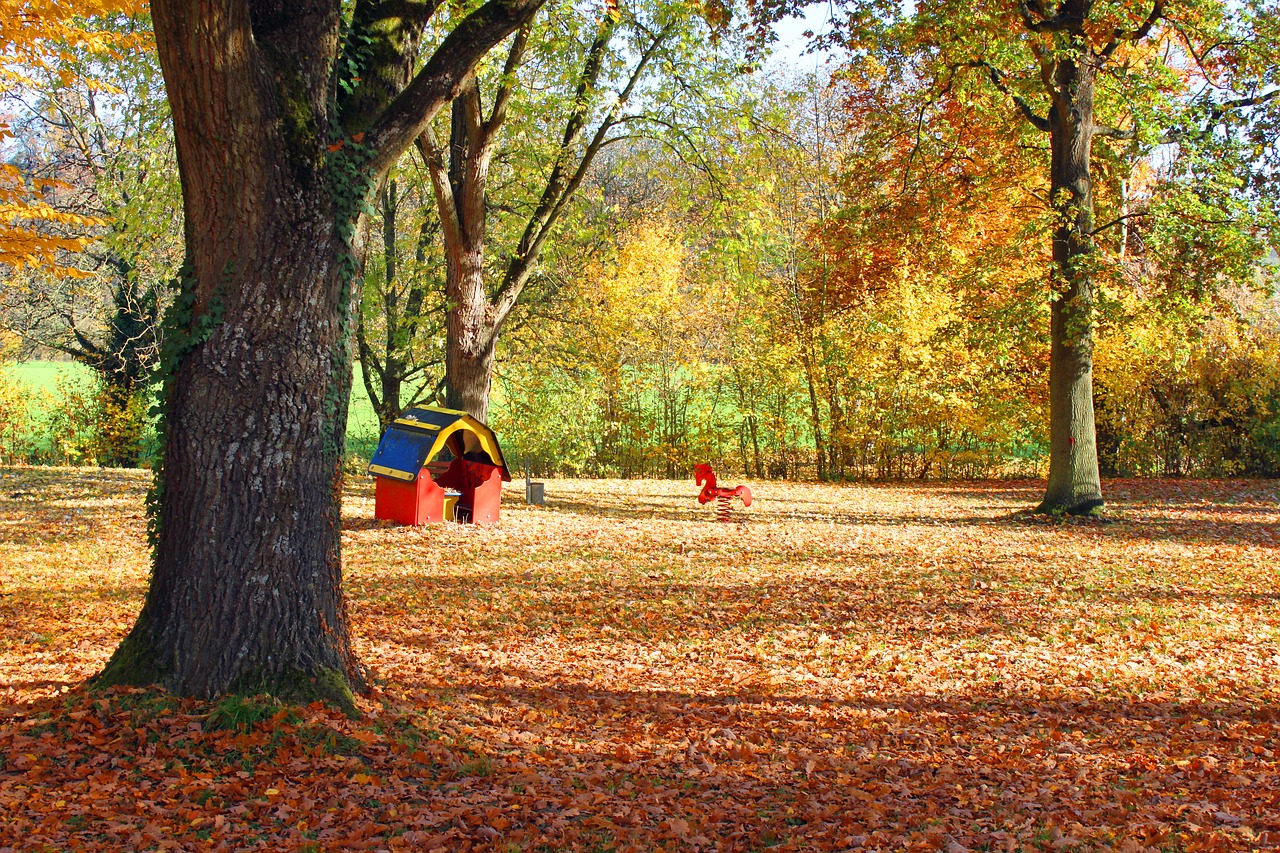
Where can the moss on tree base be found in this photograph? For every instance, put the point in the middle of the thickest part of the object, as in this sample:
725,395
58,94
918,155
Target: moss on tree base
297,687
132,665
1090,507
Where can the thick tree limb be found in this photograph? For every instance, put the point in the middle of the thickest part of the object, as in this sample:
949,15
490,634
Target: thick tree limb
1240,103
382,49
443,76
438,170
1114,132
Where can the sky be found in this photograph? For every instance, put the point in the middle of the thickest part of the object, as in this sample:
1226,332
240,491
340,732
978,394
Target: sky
789,52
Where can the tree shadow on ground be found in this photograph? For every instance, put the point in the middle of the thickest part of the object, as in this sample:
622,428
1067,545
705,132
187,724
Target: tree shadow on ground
570,765
641,609
971,767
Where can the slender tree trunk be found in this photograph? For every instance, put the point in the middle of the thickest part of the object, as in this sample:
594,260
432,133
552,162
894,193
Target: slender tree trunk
394,360
753,423
471,337
1074,484
837,438
815,413
400,297
470,333
471,340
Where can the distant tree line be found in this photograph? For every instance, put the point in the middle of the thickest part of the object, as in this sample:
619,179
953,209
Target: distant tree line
636,257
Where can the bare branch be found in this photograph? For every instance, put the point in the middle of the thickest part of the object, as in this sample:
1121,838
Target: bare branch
503,96
1117,221
1241,103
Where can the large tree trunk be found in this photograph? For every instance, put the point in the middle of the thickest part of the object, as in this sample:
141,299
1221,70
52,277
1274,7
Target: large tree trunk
246,592
1074,485
247,587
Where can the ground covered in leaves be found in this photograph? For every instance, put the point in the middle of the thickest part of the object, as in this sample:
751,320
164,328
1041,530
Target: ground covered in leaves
875,667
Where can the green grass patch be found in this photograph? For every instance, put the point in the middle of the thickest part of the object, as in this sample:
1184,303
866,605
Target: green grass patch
45,380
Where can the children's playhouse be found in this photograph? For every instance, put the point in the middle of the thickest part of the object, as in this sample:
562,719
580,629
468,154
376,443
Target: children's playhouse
436,465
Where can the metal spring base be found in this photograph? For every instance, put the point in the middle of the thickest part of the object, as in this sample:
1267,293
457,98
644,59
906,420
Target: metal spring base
723,513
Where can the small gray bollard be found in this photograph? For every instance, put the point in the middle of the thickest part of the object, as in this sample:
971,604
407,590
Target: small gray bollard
534,492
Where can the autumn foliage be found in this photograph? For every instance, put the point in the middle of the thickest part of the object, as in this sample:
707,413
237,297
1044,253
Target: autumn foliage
855,667
43,35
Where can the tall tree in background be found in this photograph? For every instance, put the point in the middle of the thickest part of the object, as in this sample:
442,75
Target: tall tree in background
286,116
95,128
593,73
401,314
1078,70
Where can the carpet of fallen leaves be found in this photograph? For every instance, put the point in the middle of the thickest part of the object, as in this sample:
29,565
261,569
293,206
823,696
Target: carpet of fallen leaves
876,667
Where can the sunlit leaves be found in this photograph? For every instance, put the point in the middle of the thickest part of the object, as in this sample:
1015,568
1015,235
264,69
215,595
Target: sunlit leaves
38,36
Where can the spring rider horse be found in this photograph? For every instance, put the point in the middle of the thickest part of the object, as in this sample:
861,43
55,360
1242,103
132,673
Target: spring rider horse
704,475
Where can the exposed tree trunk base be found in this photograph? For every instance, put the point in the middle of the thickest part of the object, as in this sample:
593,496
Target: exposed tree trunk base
1088,506
134,664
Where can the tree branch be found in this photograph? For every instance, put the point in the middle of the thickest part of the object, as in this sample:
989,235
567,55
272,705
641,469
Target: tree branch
997,79
451,227
1240,103
1118,220
440,80
381,49
515,56
1121,36
1114,132
1047,23
561,183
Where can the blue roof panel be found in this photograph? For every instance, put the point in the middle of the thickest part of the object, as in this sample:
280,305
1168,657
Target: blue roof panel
402,451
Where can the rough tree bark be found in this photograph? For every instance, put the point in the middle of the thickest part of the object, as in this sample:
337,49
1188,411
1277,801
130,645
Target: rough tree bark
1074,482
246,592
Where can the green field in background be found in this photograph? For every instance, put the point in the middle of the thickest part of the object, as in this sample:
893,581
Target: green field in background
43,376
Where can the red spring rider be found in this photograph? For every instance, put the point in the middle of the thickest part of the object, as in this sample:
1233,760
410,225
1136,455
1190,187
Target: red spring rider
704,475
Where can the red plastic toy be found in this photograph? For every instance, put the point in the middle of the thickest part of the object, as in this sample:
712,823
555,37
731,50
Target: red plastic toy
704,475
